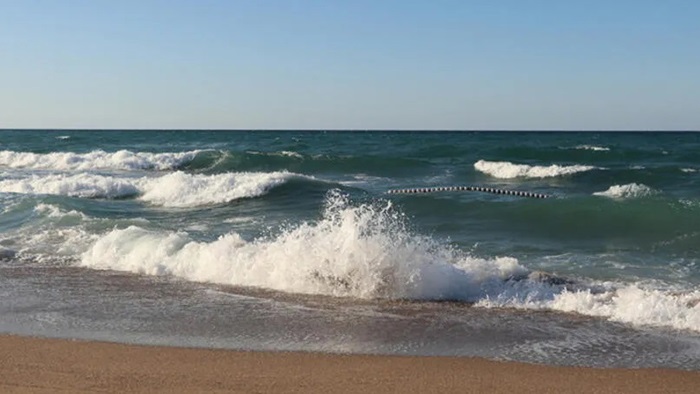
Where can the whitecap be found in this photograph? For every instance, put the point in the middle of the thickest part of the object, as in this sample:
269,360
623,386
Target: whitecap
508,170
177,189
593,148
98,159
631,190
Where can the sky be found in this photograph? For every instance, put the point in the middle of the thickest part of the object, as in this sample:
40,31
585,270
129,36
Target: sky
351,64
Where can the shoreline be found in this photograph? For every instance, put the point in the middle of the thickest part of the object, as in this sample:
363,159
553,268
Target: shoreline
41,365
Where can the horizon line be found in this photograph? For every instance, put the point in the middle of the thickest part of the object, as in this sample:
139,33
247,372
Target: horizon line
361,130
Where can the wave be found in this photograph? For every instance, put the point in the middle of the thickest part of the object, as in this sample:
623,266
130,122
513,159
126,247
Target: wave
593,148
98,159
508,170
283,153
633,304
364,251
631,190
186,190
177,189
368,252
230,161
79,185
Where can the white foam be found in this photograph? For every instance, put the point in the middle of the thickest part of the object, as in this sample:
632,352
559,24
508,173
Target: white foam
631,304
177,189
185,190
99,159
55,212
353,251
284,153
78,185
689,170
593,148
291,154
508,170
631,190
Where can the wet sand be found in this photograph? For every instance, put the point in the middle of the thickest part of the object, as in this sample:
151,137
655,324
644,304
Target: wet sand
35,365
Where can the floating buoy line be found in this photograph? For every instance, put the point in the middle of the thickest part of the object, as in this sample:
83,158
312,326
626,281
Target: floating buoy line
420,190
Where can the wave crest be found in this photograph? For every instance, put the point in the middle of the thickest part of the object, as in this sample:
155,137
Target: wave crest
631,190
99,159
177,189
508,170
364,251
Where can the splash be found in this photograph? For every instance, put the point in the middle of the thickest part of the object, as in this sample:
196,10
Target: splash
364,251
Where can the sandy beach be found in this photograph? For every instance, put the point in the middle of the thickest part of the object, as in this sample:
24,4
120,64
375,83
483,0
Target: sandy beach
35,365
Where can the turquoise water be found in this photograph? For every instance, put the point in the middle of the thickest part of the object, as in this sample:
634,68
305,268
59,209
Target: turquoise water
242,220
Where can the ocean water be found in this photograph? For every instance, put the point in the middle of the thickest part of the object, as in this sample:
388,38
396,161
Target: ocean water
292,240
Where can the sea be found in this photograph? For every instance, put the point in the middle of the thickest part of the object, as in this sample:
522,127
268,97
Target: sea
557,248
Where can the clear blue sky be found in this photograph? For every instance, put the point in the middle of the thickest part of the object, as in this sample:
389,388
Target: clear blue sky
352,64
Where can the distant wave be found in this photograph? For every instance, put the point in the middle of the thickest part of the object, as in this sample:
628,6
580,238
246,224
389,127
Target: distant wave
176,189
593,148
631,190
79,185
99,159
689,170
283,153
508,170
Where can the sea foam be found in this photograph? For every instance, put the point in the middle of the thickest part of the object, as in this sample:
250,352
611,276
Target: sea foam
177,189
508,170
631,303
98,159
78,185
631,190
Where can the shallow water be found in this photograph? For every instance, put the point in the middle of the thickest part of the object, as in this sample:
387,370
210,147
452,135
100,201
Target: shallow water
289,241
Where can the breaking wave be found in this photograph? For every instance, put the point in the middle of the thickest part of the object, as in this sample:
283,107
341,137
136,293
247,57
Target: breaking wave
508,170
363,251
120,160
631,190
368,251
593,148
632,304
177,189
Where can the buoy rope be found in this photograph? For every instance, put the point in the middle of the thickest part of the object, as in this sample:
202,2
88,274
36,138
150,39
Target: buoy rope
467,189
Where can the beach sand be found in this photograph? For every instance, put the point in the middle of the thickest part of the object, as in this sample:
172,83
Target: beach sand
35,365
